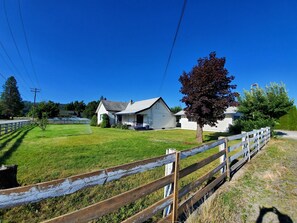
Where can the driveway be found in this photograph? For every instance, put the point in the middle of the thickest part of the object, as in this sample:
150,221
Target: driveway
286,134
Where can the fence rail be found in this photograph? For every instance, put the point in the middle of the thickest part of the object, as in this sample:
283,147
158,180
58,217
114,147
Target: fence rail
176,200
13,125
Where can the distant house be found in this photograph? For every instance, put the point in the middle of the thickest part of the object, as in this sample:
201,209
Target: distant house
110,108
231,114
152,113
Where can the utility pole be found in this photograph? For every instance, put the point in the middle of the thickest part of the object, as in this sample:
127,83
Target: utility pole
34,90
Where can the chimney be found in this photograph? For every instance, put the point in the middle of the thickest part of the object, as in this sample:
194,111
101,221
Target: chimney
131,101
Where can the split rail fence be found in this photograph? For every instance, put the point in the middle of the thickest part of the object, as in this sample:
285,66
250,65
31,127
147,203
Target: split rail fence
234,152
10,126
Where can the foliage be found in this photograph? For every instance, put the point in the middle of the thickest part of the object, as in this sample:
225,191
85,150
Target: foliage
176,109
77,106
271,102
11,101
90,109
94,121
207,92
50,108
42,123
288,121
262,107
122,126
27,107
249,125
105,121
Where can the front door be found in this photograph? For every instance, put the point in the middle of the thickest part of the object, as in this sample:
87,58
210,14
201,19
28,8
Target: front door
139,120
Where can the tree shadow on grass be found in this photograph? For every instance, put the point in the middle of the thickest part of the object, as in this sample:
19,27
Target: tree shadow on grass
215,135
6,139
282,218
21,135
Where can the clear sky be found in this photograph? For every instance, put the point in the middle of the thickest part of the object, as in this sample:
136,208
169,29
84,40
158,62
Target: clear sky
119,49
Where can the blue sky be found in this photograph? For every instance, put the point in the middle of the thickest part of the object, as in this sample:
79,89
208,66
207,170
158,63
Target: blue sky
119,49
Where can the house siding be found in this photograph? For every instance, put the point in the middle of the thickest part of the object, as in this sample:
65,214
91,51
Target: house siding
160,117
102,111
222,126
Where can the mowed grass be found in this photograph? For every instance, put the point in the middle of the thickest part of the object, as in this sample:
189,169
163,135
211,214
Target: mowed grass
65,150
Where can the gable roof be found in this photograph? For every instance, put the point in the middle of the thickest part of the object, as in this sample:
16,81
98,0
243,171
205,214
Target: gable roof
113,105
140,106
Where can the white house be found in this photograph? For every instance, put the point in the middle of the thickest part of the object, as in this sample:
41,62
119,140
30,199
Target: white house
152,113
231,114
110,108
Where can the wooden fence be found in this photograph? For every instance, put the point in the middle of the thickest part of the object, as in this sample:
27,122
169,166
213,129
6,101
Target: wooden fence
243,147
13,125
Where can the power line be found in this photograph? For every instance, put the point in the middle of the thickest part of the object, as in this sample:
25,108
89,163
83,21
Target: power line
3,76
14,41
173,44
27,43
13,64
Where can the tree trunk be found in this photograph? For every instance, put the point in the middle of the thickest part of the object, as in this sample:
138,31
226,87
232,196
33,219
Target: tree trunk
199,133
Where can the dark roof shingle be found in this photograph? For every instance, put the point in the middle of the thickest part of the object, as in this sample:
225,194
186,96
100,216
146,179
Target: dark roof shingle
114,105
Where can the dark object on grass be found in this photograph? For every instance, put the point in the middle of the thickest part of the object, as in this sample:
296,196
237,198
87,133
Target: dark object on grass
8,176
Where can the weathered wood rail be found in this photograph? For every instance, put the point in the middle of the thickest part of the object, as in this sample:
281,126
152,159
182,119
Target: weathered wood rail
179,199
12,125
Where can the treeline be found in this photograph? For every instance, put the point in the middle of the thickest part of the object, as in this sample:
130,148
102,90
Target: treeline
52,109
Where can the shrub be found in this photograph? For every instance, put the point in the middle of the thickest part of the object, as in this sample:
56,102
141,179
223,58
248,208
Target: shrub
249,125
105,121
113,126
94,121
43,121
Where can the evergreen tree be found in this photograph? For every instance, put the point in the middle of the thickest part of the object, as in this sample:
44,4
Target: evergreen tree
11,101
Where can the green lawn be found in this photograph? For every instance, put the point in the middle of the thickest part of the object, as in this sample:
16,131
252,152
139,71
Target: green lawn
64,150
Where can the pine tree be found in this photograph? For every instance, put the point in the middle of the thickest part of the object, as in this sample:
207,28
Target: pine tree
11,101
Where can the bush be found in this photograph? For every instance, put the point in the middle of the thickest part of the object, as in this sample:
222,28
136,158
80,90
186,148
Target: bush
122,126
113,126
249,125
105,121
94,121
43,121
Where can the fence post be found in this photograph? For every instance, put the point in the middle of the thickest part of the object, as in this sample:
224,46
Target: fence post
168,188
257,135
175,188
223,157
246,145
222,147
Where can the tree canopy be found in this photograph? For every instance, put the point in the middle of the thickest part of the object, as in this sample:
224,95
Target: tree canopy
176,109
11,102
263,106
207,91
50,109
90,109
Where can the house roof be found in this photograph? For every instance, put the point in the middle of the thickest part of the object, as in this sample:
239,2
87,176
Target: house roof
230,110
139,106
113,105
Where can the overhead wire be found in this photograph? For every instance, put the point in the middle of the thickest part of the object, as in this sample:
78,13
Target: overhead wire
27,43
172,46
2,76
14,41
